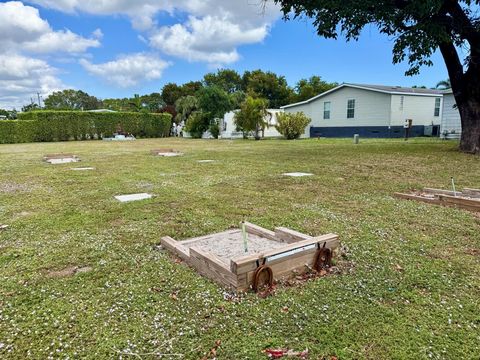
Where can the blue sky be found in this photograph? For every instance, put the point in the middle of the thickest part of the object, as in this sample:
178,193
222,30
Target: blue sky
123,48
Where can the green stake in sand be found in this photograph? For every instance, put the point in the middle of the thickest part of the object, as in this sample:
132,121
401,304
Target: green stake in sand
245,239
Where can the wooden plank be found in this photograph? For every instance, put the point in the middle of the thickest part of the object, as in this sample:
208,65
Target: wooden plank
417,198
258,230
175,247
212,267
290,236
467,204
314,240
440,191
283,269
249,263
475,193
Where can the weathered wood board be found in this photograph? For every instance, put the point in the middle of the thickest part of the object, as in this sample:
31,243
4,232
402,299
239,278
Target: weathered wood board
468,199
291,251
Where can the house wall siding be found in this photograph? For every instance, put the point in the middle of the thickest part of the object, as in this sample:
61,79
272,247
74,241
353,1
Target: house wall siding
421,109
451,116
371,108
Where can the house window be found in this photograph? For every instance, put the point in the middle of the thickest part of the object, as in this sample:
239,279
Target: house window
437,106
402,102
351,109
326,110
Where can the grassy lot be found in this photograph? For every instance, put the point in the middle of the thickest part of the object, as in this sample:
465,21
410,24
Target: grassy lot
409,285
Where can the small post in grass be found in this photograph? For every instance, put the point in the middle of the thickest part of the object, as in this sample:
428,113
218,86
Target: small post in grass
454,190
245,238
356,139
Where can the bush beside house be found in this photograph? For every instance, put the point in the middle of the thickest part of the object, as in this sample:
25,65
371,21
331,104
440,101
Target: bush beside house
292,125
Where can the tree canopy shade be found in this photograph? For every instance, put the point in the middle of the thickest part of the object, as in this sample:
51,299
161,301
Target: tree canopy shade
228,80
308,88
71,100
419,28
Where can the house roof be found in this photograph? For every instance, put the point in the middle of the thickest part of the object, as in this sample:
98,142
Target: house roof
101,111
392,90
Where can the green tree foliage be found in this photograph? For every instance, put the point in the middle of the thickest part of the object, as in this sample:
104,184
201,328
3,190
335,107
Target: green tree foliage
307,88
292,125
184,107
191,88
197,124
171,92
251,116
444,84
9,114
269,86
214,102
72,100
419,28
237,98
30,107
228,80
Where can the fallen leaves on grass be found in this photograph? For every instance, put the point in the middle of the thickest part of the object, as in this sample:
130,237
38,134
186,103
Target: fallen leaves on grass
212,354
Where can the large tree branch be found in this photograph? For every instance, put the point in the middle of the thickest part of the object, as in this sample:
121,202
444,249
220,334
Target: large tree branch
453,63
462,24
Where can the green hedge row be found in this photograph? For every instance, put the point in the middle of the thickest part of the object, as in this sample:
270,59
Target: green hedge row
79,125
14,131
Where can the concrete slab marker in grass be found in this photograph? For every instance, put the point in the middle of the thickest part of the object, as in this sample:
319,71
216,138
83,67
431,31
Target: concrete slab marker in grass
297,174
3,227
83,169
133,197
166,152
60,158
270,255
205,161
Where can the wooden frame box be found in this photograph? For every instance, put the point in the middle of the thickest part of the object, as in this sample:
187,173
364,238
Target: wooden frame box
468,199
291,252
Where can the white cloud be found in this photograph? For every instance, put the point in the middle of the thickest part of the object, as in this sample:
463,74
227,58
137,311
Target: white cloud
23,29
22,77
210,39
212,33
128,70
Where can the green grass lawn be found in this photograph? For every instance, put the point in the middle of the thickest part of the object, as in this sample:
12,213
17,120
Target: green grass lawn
409,282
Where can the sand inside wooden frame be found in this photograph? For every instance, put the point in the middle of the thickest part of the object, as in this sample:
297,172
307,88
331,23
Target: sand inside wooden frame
229,245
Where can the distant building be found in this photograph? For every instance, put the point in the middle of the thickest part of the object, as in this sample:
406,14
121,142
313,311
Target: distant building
451,126
101,111
372,111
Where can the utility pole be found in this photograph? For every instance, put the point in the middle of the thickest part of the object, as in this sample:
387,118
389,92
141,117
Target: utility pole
39,102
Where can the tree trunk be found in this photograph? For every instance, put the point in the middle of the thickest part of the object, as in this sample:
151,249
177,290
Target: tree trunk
470,115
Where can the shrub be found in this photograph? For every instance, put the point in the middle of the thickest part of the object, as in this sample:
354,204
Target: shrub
214,129
14,131
197,124
292,125
251,116
80,125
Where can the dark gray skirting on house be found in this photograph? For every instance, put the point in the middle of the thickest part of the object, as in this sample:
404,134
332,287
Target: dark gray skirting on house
372,131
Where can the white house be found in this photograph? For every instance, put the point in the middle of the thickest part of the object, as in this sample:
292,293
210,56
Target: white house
371,111
451,126
228,129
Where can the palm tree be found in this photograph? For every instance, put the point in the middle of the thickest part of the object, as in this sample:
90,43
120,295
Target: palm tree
444,84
